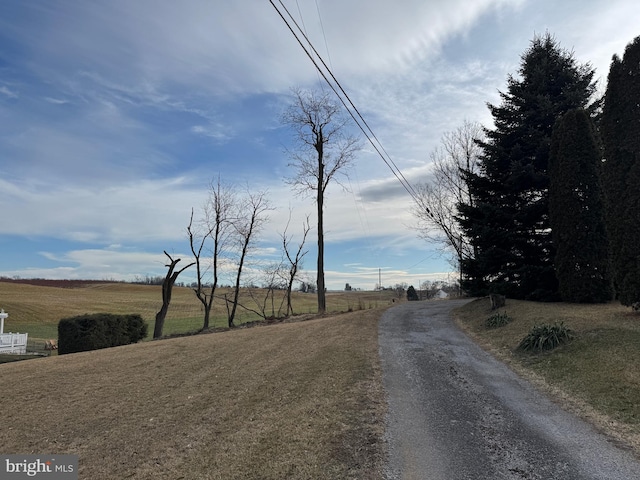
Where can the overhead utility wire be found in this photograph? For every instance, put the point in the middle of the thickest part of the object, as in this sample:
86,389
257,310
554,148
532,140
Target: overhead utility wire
360,210
388,161
402,180
303,25
326,45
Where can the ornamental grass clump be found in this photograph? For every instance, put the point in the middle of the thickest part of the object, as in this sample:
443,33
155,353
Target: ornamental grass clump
546,337
498,319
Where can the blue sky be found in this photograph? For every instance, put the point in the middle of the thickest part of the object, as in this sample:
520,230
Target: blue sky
116,115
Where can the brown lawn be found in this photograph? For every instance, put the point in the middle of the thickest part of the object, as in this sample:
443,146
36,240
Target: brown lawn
298,400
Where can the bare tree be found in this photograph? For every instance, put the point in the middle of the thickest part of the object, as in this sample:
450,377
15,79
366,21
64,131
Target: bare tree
294,259
167,289
249,219
215,228
197,243
436,207
323,151
272,281
399,289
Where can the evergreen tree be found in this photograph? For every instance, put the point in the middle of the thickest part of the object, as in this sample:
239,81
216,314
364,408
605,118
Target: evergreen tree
576,211
412,295
621,170
508,221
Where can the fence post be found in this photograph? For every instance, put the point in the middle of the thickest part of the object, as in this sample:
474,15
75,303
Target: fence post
3,315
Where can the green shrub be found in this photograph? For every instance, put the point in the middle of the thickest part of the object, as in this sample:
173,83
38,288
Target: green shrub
137,328
497,320
101,330
546,337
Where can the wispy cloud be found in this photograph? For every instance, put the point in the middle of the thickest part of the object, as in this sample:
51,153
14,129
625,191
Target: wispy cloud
140,211
215,132
108,263
56,101
7,92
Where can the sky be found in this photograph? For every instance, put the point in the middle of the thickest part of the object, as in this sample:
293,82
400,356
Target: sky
116,116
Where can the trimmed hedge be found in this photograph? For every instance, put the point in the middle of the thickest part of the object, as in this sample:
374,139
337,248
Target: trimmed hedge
100,330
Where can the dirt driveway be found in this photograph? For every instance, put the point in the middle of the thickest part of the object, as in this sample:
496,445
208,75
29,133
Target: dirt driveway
455,413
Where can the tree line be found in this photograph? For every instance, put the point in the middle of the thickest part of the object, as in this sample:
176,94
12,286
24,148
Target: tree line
224,234
545,205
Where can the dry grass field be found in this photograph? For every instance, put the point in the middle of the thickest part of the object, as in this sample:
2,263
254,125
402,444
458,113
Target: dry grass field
596,375
296,400
36,309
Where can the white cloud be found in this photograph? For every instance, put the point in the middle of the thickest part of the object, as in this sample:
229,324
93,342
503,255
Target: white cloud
56,101
242,46
100,264
384,37
215,132
139,211
7,92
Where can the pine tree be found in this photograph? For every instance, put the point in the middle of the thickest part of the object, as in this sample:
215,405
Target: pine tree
508,222
621,170
576,211
412,295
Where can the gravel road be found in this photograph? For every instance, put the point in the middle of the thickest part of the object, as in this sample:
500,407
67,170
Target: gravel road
456,413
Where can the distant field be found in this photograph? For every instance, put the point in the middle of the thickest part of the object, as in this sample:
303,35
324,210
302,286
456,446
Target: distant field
37,309
596,375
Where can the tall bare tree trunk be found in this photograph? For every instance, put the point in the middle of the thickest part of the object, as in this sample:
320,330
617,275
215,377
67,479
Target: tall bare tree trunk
322,300
326,152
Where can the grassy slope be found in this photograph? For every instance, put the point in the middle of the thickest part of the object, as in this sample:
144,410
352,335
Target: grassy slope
300,400
596,375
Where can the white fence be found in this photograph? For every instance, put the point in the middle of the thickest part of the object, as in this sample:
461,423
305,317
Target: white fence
13,343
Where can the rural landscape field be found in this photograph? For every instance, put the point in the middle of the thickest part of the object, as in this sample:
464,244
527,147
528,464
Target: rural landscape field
298,399
36,306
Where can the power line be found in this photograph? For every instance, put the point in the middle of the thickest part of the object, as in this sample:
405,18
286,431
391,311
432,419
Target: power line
326,45
303,25
301,19
368,132
395,168
366,227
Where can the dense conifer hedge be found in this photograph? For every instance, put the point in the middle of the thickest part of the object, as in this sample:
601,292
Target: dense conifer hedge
577,212
100,330
621,170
